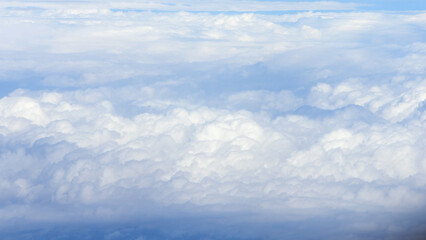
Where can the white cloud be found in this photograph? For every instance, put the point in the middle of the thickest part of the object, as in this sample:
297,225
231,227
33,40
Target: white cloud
205,156
288,116
90,47
395,100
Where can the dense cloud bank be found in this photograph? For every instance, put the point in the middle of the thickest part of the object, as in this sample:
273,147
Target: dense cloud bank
284,123
73,150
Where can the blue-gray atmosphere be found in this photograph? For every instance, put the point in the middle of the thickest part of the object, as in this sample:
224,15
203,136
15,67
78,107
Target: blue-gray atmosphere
239,119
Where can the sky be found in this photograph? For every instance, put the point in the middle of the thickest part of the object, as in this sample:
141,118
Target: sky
212,119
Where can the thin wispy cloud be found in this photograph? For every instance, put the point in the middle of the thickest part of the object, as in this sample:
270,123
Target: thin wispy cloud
208,6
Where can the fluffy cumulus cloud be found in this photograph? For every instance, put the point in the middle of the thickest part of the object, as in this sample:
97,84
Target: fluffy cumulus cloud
135,120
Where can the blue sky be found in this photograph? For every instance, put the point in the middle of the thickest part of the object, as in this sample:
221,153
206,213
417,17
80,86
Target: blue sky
374,5
393,5
212,120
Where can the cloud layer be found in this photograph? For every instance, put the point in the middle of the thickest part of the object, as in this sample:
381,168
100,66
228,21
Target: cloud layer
117,113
